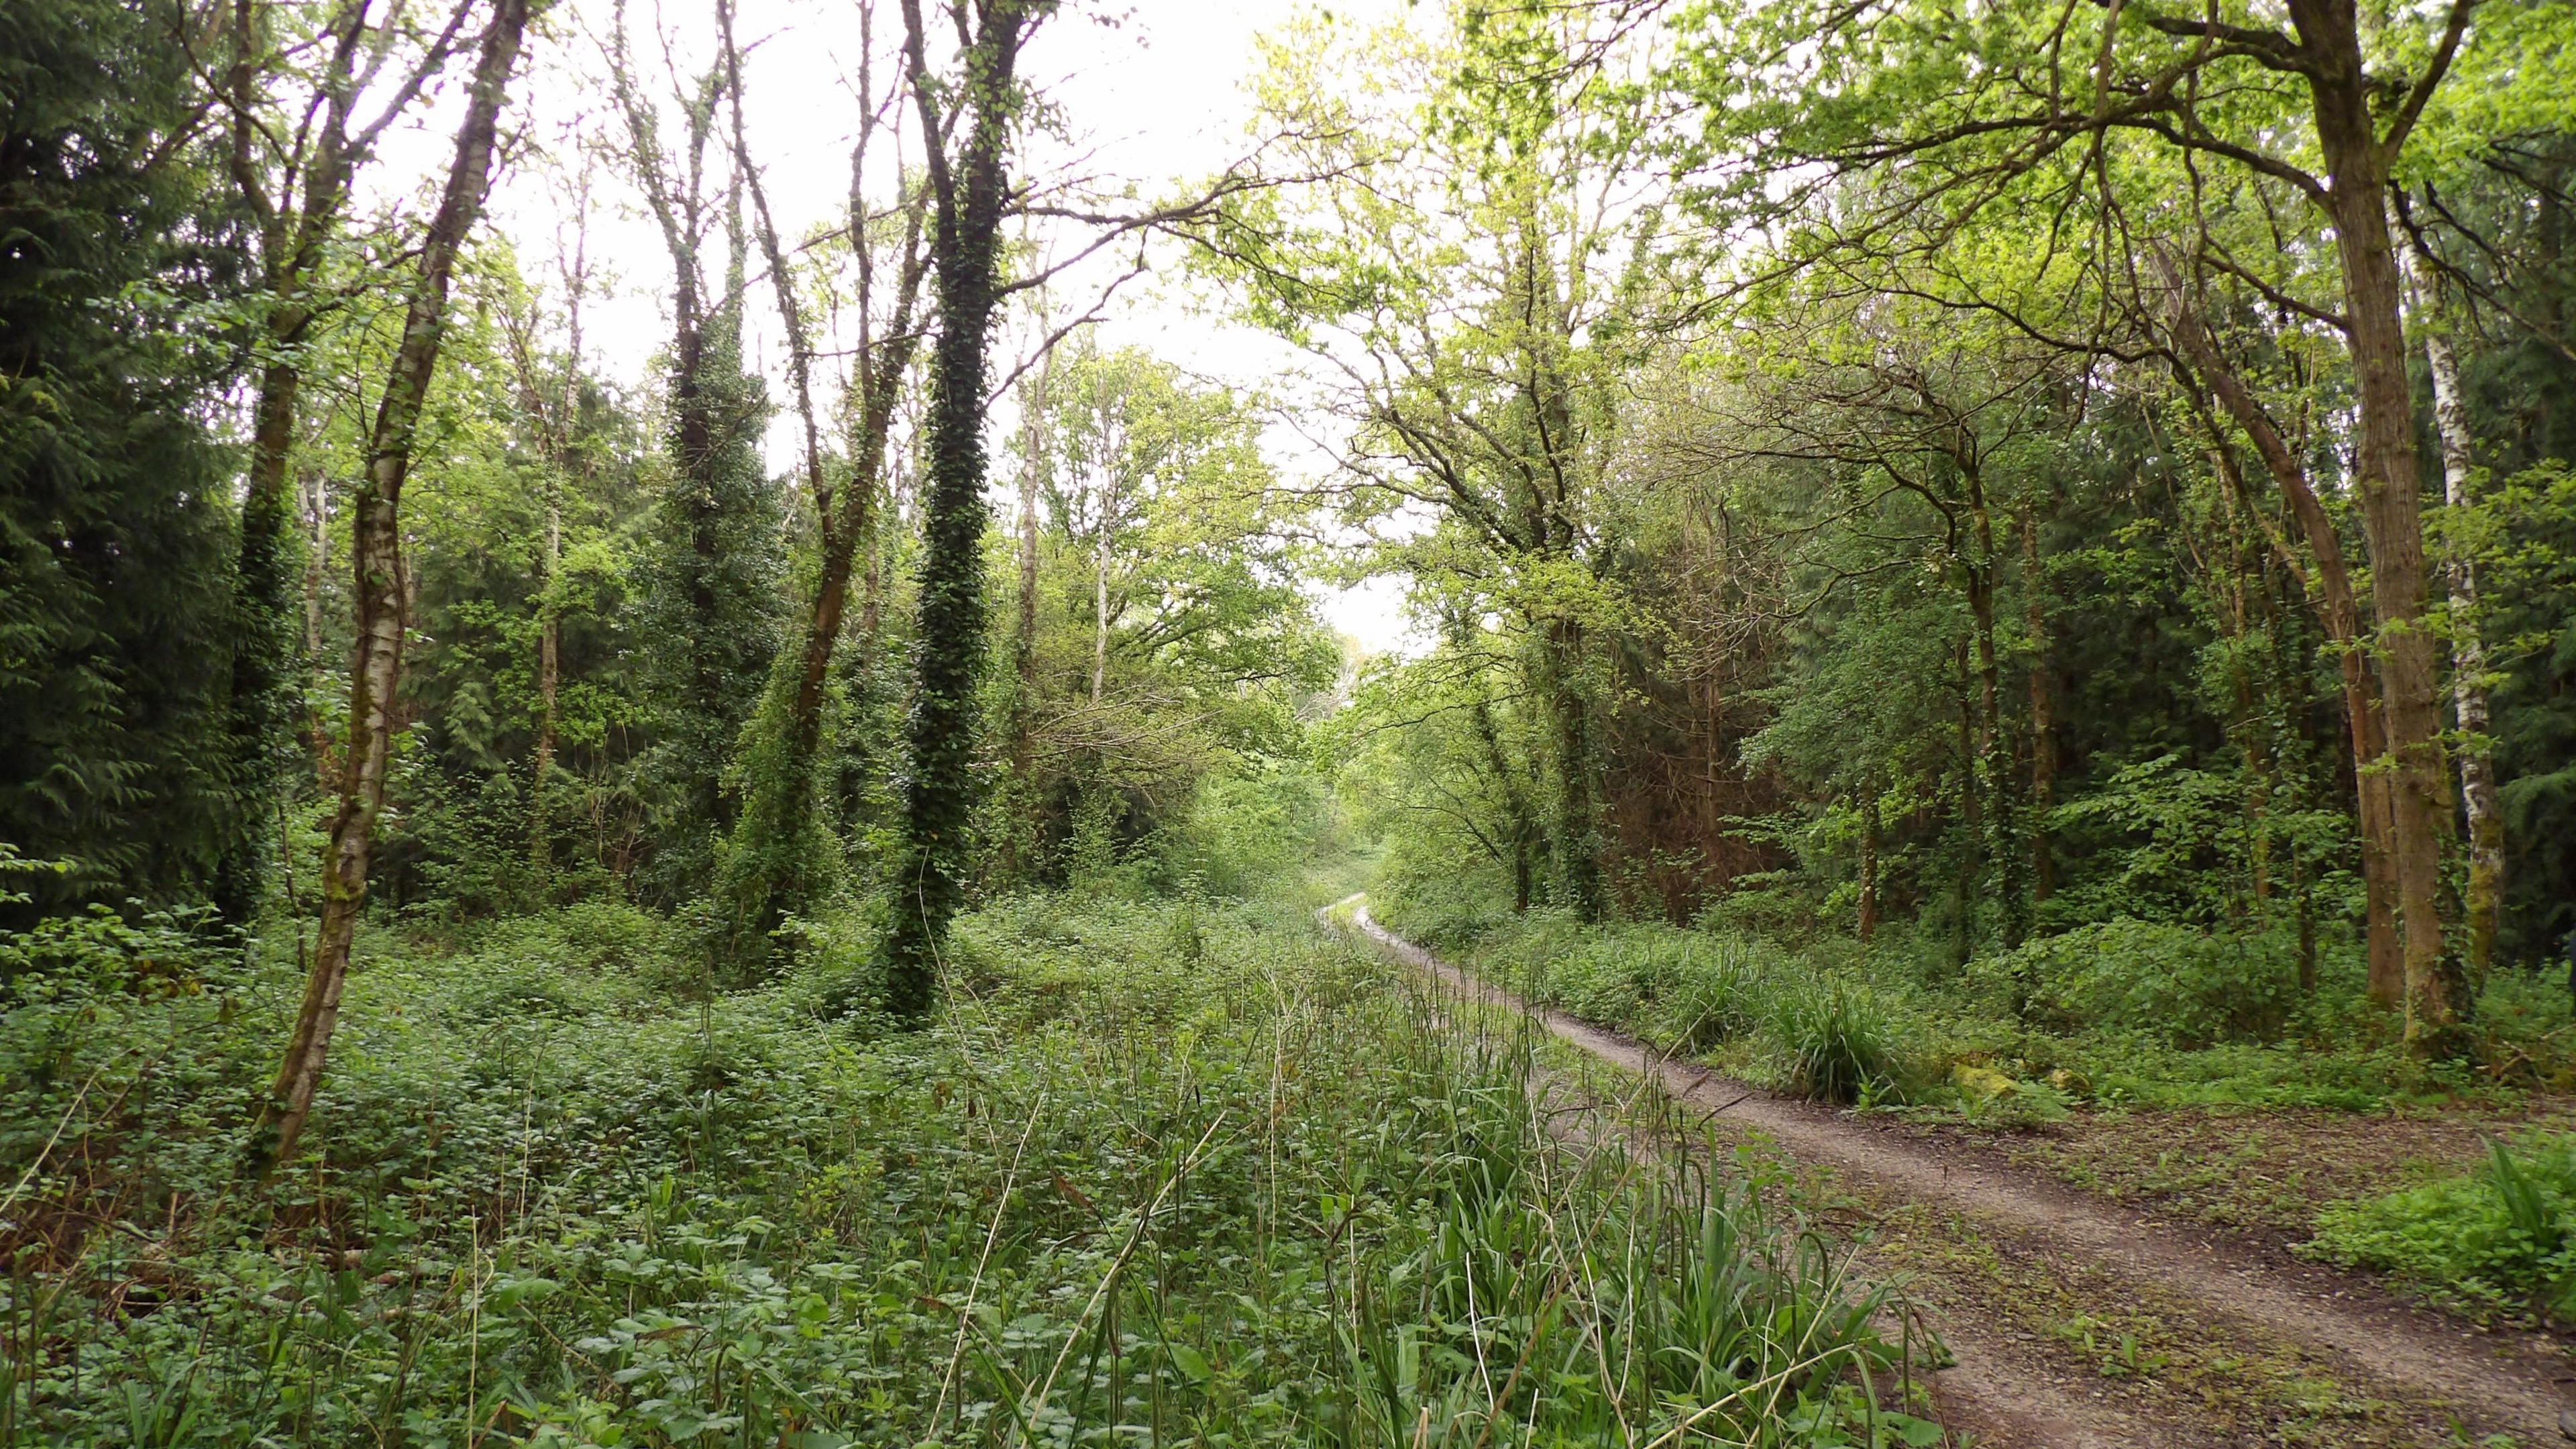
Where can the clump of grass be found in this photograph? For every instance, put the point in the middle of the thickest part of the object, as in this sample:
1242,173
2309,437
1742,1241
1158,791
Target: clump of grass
1833,1042
2501,1239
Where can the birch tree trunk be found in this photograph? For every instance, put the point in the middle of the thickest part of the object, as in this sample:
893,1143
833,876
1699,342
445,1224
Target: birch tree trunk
380,582
2485,894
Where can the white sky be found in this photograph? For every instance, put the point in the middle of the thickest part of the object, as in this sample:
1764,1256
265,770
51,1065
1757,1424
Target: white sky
1155,89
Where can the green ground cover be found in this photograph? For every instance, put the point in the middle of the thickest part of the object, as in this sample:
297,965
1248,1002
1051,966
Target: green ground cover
1167,1171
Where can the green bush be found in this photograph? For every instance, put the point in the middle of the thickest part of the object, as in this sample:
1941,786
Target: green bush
2502,1238
2185,986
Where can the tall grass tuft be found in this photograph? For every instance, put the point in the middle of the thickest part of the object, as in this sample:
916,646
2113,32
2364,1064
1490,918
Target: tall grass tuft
1833,1042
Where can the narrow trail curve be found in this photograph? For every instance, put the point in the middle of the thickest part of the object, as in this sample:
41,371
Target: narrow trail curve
2494,1383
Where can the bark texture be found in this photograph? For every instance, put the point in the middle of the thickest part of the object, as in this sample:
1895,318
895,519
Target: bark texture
2484,897
2358,158
380,580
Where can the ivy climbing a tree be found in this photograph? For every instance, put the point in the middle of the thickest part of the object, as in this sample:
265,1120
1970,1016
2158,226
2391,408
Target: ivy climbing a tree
966,123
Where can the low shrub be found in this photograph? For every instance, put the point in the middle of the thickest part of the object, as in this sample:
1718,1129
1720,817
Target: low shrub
2501,1239
2188,987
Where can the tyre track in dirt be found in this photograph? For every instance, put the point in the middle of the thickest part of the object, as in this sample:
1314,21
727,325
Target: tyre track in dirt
2417,1367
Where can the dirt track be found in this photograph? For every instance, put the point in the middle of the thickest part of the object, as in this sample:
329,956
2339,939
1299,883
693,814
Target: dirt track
2271,1352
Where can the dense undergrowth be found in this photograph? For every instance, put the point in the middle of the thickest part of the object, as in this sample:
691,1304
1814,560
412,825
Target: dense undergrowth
1164,1172
2500,1241
2121,1013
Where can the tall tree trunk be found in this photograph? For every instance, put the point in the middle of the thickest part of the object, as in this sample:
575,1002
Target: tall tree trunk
2043,712
2485,895
2357,161
379,579
831,591
265,668
2340,611
968,199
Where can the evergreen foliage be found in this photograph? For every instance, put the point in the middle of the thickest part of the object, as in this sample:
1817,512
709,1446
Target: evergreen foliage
115,526
711,604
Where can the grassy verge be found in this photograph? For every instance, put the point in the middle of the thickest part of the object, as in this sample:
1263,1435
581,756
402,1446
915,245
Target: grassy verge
2499,1241
2255,1108
1165,1173
2122,1015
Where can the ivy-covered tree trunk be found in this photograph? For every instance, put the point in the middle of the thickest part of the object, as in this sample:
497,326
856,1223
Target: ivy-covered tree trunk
266,664
380,579
968,194
782,856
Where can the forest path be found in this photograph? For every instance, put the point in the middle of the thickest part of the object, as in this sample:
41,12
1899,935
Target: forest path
2077,1321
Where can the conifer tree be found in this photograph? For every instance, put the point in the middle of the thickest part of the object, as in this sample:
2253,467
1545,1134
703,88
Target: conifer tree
113,518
